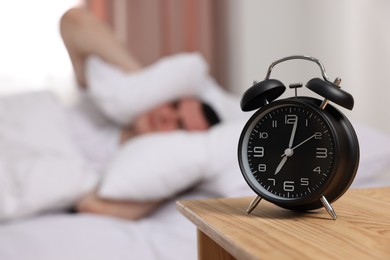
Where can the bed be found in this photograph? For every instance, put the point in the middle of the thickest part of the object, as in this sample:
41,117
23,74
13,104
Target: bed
165,234
54,233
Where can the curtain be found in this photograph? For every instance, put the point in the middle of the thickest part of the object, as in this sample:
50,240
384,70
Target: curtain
151,29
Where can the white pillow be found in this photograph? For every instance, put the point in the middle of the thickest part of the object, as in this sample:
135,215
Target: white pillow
158,166
121,96
41,168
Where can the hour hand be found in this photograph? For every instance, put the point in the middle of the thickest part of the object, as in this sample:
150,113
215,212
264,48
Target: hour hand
280,166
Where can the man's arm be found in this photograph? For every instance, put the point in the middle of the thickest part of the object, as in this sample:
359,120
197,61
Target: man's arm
84,34
121,209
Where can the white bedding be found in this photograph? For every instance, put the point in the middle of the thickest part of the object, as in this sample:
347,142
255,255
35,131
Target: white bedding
163,235
42,167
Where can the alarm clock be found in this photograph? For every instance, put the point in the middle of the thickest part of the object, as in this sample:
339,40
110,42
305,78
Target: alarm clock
300,153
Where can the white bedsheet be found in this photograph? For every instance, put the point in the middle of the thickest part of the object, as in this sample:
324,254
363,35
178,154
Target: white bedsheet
164,235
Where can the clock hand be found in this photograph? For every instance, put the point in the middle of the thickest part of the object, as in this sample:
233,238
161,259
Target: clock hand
289,152
294,130
282,162
303,142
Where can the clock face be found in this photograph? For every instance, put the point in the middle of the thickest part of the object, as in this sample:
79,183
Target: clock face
287,152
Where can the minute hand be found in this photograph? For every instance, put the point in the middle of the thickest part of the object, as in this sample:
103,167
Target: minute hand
303,142
294,130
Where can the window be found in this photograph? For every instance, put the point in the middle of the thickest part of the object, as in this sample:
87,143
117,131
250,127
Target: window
32,55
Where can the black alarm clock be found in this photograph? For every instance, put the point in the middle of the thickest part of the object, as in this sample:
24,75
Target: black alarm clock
300,153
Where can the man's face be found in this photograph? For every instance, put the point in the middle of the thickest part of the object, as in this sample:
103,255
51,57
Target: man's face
186,114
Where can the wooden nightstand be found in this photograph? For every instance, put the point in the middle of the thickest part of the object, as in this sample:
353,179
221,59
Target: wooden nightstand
225,231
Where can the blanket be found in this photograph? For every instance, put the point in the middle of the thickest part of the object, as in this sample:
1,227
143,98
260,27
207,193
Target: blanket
41,168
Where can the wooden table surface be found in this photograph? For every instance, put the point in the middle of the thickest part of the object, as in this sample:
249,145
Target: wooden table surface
361,231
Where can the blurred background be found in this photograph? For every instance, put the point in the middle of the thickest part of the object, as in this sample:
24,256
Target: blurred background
239,39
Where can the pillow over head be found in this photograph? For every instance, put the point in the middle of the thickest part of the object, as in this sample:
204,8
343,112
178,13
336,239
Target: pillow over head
121,95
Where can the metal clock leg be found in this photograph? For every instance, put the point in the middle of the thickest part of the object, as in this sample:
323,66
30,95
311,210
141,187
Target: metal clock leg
253,204
328,207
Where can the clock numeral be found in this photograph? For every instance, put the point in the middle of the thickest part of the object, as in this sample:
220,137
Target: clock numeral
317,135
305,181
317,170
288,186
259,151
274,123
262,167
321,153
273,181
290,119
263,135
307,122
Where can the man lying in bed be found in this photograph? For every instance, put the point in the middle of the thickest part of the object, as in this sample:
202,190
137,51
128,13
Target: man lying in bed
84,36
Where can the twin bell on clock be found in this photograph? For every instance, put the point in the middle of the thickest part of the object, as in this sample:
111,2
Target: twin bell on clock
300,153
